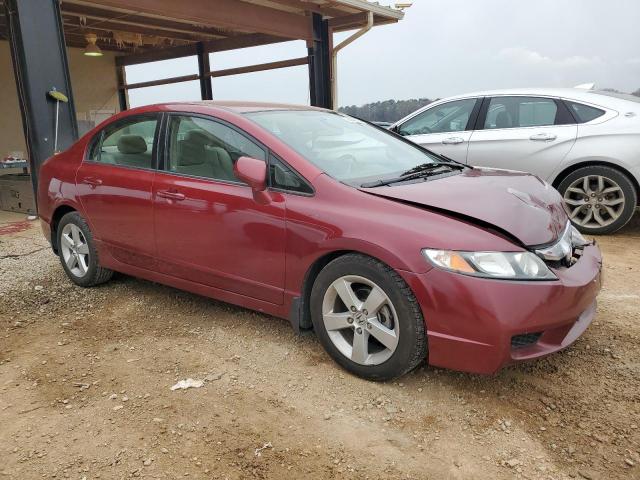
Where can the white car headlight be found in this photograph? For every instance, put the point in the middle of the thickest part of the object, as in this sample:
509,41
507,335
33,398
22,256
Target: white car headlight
503,265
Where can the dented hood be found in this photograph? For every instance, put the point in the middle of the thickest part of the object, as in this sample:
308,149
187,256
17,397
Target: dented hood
517,203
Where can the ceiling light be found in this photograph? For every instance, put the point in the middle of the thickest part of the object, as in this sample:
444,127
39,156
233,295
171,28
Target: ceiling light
92,50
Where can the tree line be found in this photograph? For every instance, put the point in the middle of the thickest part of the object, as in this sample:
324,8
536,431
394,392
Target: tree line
393,110
386,111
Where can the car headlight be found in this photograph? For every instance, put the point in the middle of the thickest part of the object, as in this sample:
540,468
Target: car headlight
503,265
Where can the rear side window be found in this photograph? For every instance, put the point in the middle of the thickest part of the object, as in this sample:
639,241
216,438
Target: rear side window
584,113
520,112
129,143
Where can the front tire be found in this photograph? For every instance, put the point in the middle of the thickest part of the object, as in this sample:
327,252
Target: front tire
367,318
77,252
600,199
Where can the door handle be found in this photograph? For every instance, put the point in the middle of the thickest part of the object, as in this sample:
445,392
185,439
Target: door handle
453,140
171,194
543,137
92,181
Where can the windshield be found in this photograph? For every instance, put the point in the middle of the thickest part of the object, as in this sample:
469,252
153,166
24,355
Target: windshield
346,148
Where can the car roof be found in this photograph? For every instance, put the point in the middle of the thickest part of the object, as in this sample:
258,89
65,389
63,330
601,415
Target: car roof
232,106
595,97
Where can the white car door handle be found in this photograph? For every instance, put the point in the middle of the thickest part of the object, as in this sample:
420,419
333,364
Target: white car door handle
543,137
453,140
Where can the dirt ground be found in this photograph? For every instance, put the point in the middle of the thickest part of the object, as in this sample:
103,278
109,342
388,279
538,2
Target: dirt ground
85,377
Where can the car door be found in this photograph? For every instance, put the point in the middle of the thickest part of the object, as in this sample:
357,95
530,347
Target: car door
209,228
114,184
444,128
527,133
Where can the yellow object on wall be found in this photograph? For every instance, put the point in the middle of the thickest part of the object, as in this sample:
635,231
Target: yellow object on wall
94,84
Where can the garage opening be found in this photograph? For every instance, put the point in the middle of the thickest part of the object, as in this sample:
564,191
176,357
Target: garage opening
108,55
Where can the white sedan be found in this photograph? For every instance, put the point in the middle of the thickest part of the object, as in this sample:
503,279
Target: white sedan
586,143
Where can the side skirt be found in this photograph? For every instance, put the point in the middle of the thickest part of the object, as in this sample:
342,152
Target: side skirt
280,311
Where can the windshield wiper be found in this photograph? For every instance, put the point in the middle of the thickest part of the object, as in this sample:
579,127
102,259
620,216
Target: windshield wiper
420,171
451,160
430,166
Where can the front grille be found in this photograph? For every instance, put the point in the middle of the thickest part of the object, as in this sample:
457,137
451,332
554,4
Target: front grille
524,340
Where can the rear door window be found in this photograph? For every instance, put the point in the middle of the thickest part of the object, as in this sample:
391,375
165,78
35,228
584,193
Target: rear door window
128,143
521,112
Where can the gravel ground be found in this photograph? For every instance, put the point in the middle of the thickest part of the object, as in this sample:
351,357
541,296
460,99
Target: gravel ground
85,377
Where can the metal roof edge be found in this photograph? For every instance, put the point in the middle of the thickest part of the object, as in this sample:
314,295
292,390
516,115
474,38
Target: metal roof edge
375,8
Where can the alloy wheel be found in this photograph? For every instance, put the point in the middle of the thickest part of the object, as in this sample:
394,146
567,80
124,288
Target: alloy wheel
75,250
594,201
360,320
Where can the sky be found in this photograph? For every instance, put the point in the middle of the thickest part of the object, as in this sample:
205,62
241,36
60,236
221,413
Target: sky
440,48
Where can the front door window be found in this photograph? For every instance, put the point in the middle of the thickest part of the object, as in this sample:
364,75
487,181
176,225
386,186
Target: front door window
448,117
205,148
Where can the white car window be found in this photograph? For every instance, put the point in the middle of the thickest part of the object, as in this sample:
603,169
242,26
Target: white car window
518,112
448,117
584,113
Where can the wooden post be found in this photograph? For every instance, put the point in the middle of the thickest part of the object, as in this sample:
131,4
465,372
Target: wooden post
206,89
40,65
123,97
320,63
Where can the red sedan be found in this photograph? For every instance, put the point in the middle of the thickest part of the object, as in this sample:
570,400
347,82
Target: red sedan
391,253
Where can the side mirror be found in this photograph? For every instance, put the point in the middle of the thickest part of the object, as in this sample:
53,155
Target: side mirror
253,172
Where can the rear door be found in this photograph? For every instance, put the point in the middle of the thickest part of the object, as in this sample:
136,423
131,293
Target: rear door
114,185
526,133
444,128
209,229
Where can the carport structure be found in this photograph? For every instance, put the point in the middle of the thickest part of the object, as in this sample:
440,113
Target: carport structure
40,33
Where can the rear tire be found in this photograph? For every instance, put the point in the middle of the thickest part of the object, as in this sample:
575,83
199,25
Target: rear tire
383,336
600,199
77,252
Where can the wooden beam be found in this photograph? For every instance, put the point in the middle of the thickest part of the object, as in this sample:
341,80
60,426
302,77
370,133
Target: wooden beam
242,41
163,81
357,20
308,6
261,67
225,44
157,55
109,47
72,23
348,21
231,14
133,19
